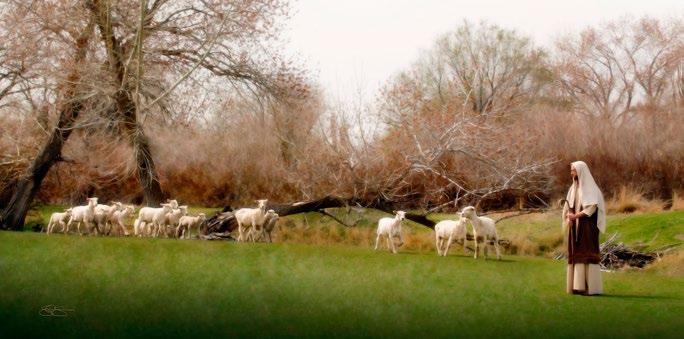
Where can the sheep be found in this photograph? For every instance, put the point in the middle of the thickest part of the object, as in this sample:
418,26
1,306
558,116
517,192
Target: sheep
172,218
119,217
450,230
250,217
103,213
391,228
83,214
145,219
58,218
269,224
271,220
159,219
484,229
186,223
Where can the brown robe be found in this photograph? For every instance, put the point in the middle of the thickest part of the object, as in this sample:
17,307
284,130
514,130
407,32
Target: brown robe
583,241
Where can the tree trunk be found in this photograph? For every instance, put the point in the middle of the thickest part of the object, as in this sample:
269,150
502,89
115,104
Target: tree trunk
126,107
147,173
13,214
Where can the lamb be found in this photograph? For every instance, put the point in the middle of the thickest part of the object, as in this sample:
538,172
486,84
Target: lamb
83,214
450,230
484,229
146,217
269,224
271,220
391,228
103,214
159,219
186,223
58,218
250,217
120,216
172,218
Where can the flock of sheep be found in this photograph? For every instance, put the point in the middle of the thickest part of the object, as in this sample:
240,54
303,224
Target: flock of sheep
103,219
168,220
255,224
446,232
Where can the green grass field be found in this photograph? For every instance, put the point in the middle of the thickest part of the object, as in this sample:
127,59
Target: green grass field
165,287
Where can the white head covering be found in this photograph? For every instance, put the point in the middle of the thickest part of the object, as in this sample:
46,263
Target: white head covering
587,193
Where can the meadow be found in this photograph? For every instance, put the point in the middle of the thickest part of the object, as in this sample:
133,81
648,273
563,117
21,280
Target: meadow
120,286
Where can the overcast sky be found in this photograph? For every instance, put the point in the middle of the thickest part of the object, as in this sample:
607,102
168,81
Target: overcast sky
353,45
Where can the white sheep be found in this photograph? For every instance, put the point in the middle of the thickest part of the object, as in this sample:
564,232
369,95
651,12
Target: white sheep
484,229
119,217
271,221
187,223
390,228
58,218
269,224
103,213
83,214
250,217
143,224
450,231
159,219
172,218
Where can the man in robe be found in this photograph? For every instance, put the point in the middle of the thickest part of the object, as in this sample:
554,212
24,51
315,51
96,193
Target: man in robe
584,215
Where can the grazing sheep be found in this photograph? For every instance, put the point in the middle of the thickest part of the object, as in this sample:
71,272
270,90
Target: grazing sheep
83,214
391,228
484,229
58,218
250,217
186,223
145,221
119,217
450,231
269,224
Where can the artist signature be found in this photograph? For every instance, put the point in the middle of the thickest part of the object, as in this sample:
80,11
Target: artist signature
54,311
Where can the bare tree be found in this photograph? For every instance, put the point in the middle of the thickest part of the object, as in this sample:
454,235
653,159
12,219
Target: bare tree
70,107
620,68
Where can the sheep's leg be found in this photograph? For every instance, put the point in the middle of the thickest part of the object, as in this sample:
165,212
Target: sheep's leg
253,232
269,237
496,247
438,245
486,247
122,228
78,228
49,226
477,247
464,245
446,251
88,227
71,219
240,231
377,240
391,242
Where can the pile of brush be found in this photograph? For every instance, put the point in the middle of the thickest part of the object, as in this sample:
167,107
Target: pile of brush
615,255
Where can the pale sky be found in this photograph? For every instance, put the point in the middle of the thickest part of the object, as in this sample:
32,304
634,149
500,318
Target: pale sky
353,45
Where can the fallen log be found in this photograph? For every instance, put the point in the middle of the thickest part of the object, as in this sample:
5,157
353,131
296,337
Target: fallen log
220,225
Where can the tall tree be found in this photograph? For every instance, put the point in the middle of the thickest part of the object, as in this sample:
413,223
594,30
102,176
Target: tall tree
70,107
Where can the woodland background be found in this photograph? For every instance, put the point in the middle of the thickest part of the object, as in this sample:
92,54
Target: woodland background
196,100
